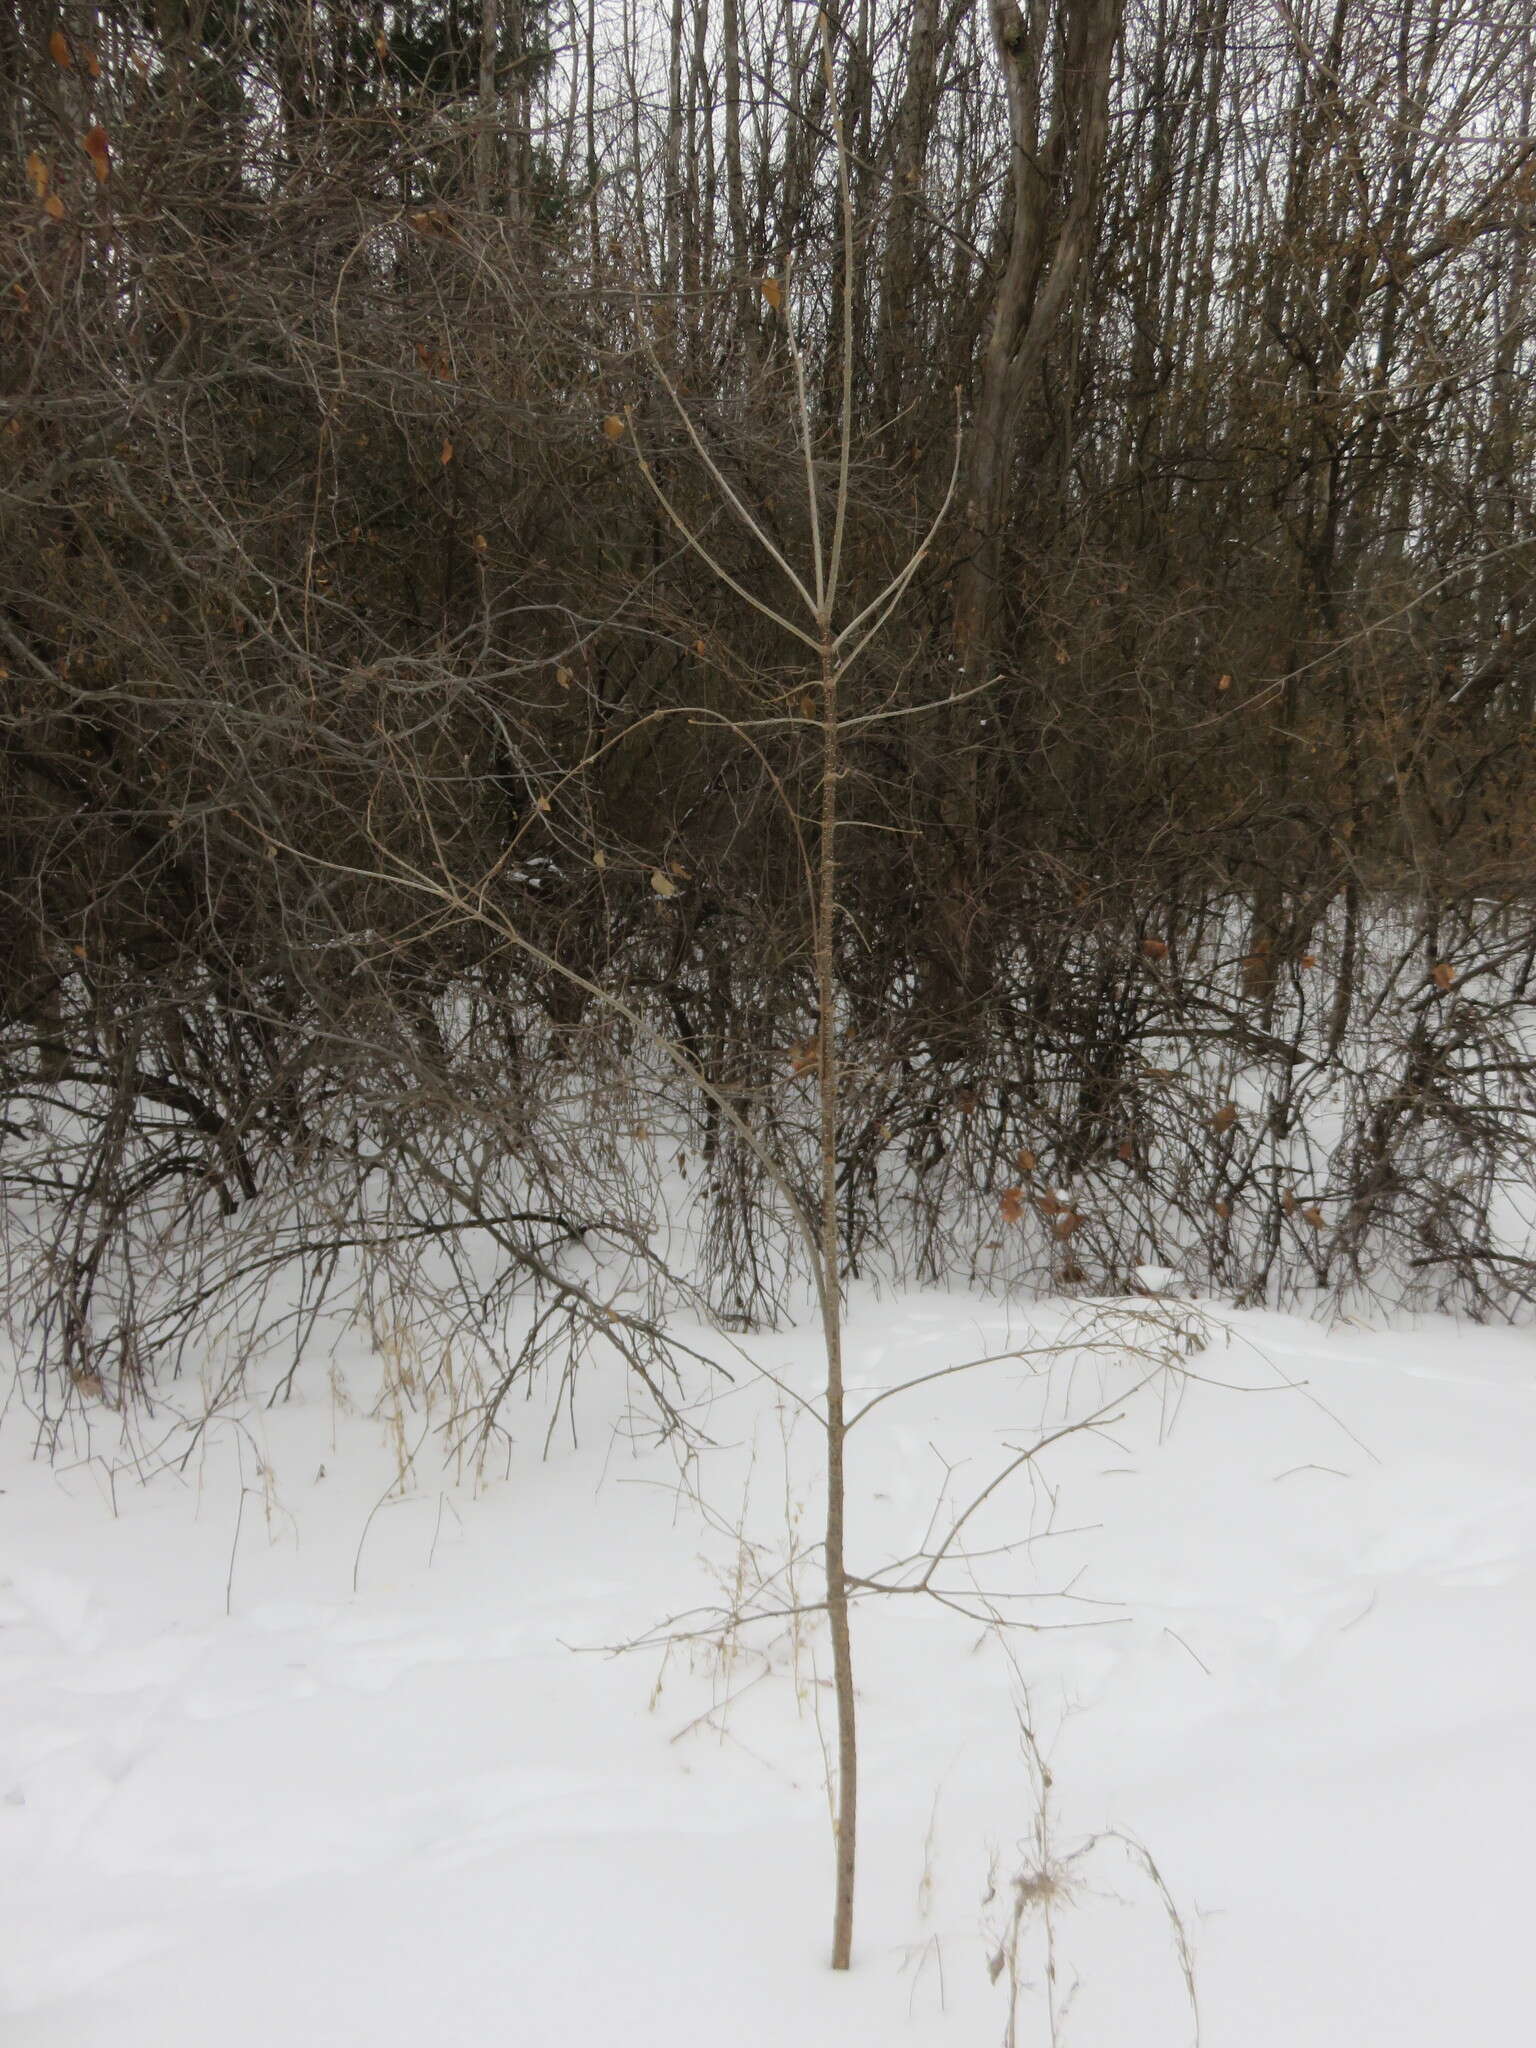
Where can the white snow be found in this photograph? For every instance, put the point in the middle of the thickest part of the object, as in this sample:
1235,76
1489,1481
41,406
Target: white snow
1281,1632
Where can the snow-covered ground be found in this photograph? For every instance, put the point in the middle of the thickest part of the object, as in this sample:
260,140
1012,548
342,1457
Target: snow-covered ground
1280,1611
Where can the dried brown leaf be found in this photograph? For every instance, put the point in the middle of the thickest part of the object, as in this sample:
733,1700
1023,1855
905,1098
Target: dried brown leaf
94,143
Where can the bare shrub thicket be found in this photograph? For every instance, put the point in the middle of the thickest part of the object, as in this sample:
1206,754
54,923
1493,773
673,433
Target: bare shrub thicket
1194,927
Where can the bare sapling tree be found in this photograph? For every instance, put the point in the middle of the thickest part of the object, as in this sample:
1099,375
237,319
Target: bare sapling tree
832,634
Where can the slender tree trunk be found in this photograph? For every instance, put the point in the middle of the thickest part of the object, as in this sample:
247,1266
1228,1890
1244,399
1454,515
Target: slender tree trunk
832,1323
485,135
1039,271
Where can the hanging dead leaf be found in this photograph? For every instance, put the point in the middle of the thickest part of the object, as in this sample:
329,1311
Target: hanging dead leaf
53,206
1155,949
1224,1118
59,50
1026,1159
542,804
1224,1210
91,62
101,158
675,867
445,453
1066,1223
1011,1204
1288,1203
1307,960
662,884
1314,1216
1051,1203
381,47
1445,974
772,291
94,143
966,1101
480,543
805,1057
613,427
564,678
1125,1150
1223,682
37,175
599,858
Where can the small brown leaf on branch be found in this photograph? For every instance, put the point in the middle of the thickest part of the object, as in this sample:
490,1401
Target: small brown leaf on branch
772,291
805,1057
1288,1203
94,143
1314,1216
37,175
1026,1159
445,453
662,884
53,206
1155,949
60,51
1224,1118
1223,682
1011,1204
613,427
1445,974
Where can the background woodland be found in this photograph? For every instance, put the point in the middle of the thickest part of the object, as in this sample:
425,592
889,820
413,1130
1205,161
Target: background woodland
384,776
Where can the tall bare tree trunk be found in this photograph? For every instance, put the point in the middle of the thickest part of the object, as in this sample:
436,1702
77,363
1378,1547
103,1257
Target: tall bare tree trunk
832,1324
485,133
1041,266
